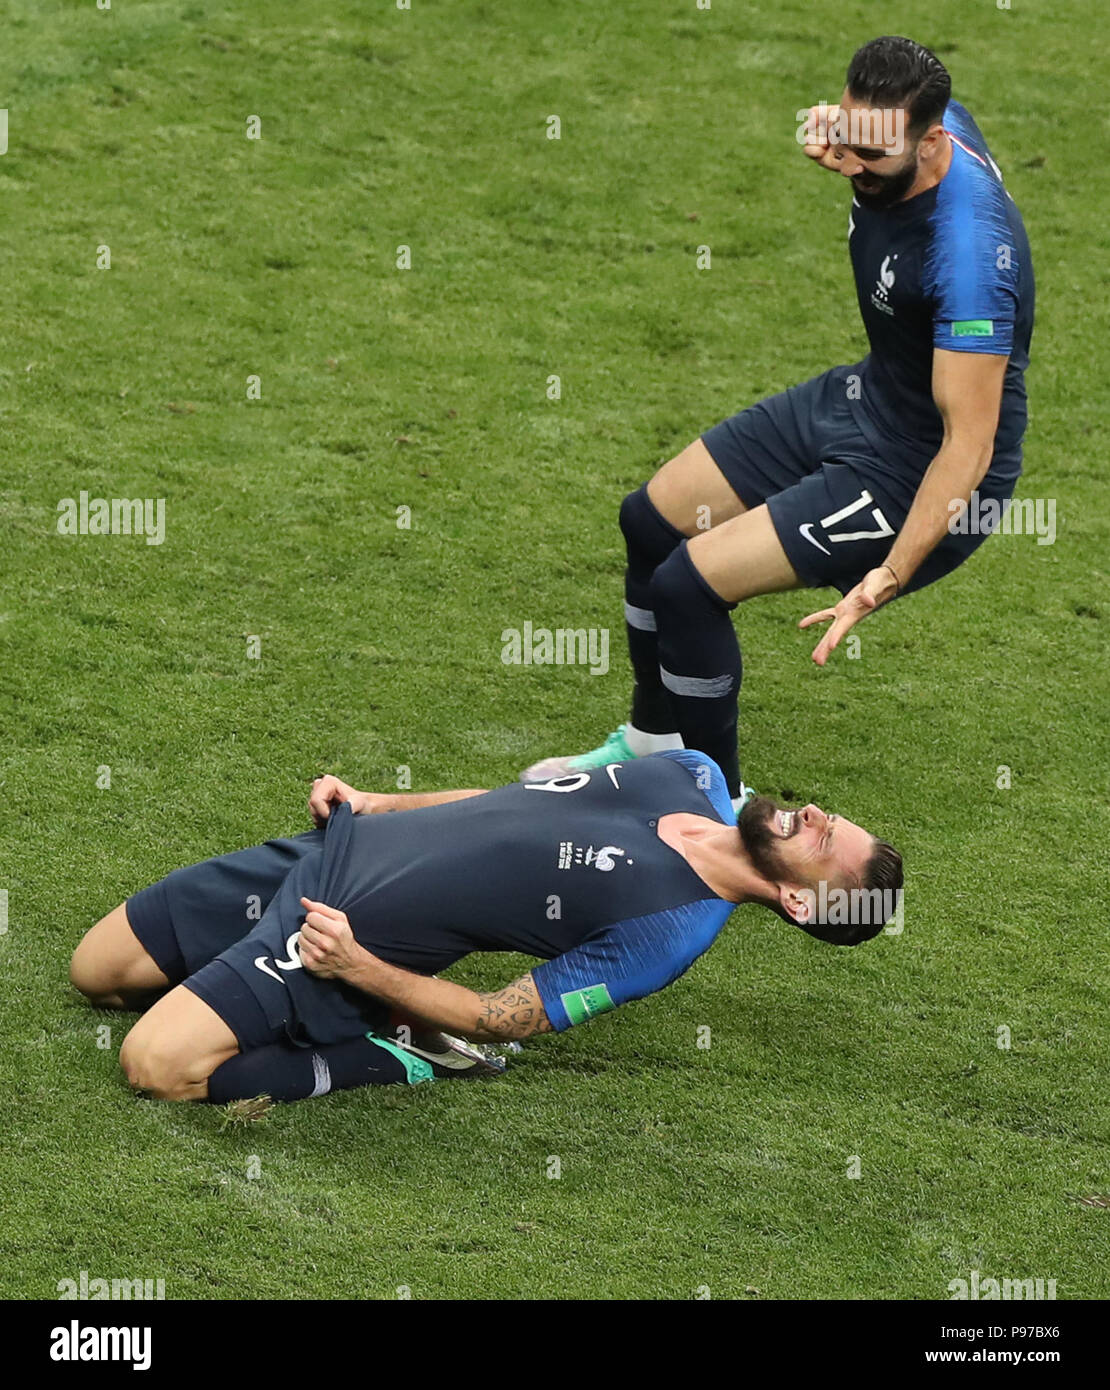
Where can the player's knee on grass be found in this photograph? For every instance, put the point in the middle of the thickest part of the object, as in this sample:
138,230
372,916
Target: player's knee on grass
94,969
162,1067
110,967
175,1047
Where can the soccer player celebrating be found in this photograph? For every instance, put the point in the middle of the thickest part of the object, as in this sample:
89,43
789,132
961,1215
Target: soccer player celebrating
851,479
618,878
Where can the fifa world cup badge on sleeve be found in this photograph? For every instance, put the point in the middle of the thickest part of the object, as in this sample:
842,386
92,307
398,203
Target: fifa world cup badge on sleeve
973,328
582,1004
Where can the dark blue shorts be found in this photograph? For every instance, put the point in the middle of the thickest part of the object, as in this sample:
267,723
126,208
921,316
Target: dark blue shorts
211,927
835,501
189,917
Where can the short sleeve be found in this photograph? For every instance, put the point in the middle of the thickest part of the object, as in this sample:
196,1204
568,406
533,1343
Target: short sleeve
971,268
627,961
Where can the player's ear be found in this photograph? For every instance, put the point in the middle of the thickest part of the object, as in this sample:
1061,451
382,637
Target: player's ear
929,143
796,903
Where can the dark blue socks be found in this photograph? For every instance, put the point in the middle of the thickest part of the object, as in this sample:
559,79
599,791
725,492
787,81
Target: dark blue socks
649,539
287,1073
699,660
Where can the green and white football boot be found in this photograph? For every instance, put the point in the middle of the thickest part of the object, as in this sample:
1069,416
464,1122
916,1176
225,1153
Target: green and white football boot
615,749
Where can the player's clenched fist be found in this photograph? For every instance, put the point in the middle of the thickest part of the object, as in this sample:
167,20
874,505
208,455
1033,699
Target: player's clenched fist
329,792
818,134
327,946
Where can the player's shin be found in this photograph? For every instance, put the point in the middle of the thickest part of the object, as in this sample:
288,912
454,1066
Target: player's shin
287,1073
649,539
699,661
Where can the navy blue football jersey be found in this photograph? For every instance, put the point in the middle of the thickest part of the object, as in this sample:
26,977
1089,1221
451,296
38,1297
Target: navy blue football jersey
571,870
949,269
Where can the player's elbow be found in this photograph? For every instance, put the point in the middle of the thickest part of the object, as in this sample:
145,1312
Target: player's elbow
974,448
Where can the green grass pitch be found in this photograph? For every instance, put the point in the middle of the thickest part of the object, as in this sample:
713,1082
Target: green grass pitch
683,1168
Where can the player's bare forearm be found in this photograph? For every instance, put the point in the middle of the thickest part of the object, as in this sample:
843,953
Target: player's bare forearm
513,1012
328,948
967,390
955,472
413,801
331,791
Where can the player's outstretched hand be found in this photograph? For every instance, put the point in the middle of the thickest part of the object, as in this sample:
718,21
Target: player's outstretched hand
874,589
818,144
328,792
327,946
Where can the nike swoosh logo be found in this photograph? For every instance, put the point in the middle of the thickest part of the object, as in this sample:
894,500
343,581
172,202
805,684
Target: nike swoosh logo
611,769
805,528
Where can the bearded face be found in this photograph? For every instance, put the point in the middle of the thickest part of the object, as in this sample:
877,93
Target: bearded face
756,824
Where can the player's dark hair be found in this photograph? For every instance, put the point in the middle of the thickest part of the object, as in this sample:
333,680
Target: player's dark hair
898,73
883,873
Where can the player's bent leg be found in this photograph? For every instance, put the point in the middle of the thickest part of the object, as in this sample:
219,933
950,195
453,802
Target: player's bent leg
176,1046
693,594
686,495
286,1073
112,968
691,492
743,557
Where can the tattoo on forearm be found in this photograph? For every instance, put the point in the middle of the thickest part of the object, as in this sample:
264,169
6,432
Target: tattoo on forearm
513,1012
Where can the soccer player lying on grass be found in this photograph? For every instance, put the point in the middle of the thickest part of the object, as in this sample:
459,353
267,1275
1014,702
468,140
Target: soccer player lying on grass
617,878
853,478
